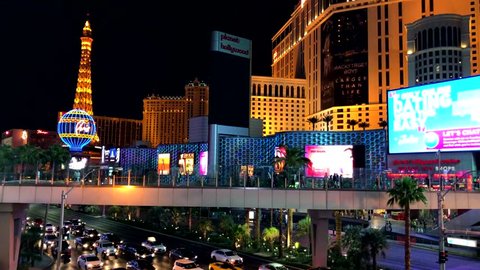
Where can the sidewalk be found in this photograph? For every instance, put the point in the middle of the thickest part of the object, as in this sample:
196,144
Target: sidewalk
420,240
45,263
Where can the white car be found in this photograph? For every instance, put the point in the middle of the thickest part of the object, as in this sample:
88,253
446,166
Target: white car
226,255
50,228
185,264
105,248
272,266
154,246
89,261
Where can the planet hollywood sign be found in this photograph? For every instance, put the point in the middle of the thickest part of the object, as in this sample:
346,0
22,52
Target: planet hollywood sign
425,164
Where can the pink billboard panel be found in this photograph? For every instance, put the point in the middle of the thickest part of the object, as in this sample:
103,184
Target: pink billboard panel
328,160
203,163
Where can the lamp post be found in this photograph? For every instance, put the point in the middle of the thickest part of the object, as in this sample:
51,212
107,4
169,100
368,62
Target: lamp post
60,238
440,198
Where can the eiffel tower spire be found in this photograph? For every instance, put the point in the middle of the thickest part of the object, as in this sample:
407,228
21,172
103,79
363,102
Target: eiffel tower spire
83,93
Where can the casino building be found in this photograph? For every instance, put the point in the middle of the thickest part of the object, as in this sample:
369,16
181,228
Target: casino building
350,53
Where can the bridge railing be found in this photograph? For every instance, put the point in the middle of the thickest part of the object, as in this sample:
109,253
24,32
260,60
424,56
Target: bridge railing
362,181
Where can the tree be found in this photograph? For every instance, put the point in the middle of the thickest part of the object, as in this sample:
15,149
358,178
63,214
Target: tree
351,242
242,235
313,120
405,192
373,242
56,154
270,235
363,125
26,154
293,161
205,226
383,124
29,244
303,229
6,158
114,211
352,123
327,119
226,225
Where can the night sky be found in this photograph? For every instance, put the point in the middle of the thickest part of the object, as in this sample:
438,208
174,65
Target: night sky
139,48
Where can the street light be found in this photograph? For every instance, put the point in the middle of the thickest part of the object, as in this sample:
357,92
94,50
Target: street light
440,198
60,238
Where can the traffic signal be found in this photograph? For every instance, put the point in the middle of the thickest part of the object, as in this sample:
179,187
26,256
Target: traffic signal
443,256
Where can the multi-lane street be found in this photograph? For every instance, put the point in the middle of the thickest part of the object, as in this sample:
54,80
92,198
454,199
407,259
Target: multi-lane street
136,235
422,259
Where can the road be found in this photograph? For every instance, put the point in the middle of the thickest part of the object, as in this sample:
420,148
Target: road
421,259
137,235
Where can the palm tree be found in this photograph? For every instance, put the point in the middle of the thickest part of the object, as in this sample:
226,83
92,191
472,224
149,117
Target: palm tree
270,235
352,123
294,160
313,120
327,119
6,158
226,225
205,226
23,154
373,242
363,125
383,124
303,229
56,154
351,242
242,235
405,192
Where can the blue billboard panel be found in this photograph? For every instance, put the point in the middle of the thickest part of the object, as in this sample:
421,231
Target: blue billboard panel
442,116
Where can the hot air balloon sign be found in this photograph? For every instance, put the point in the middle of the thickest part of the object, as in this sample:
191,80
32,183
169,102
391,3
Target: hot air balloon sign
76,129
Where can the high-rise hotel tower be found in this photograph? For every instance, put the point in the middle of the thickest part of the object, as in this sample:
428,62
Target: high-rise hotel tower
350,52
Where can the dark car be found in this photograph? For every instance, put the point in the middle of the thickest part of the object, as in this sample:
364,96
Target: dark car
77,230
114,238
86,243
92,233
66,251
182,253
131,251
140,265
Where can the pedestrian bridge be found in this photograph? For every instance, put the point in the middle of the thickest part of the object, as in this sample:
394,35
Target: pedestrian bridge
235,197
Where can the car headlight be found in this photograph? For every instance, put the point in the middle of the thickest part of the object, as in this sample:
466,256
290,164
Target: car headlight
101,264
155,249
144,256
89,265
85,245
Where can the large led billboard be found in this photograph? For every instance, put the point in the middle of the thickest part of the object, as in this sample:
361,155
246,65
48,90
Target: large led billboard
328,160
163,167
442,116
280,152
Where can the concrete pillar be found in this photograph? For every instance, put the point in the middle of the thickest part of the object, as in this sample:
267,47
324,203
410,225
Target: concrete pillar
12,217
319,236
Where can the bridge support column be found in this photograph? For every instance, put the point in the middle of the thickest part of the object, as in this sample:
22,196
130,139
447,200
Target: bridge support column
319,238
11,222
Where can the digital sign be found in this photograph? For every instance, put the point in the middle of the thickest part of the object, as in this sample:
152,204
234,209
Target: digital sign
442,116
280,152
163,167
185,163
327,160
203,163
111,155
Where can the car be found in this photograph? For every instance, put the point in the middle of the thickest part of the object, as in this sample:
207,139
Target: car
112,237
105,248
222,266
226,255
92,233
89,261
86,243
67,225
272,266
154,246
77,230
140,265
49,240
182,253
131,251
183,264
50,228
